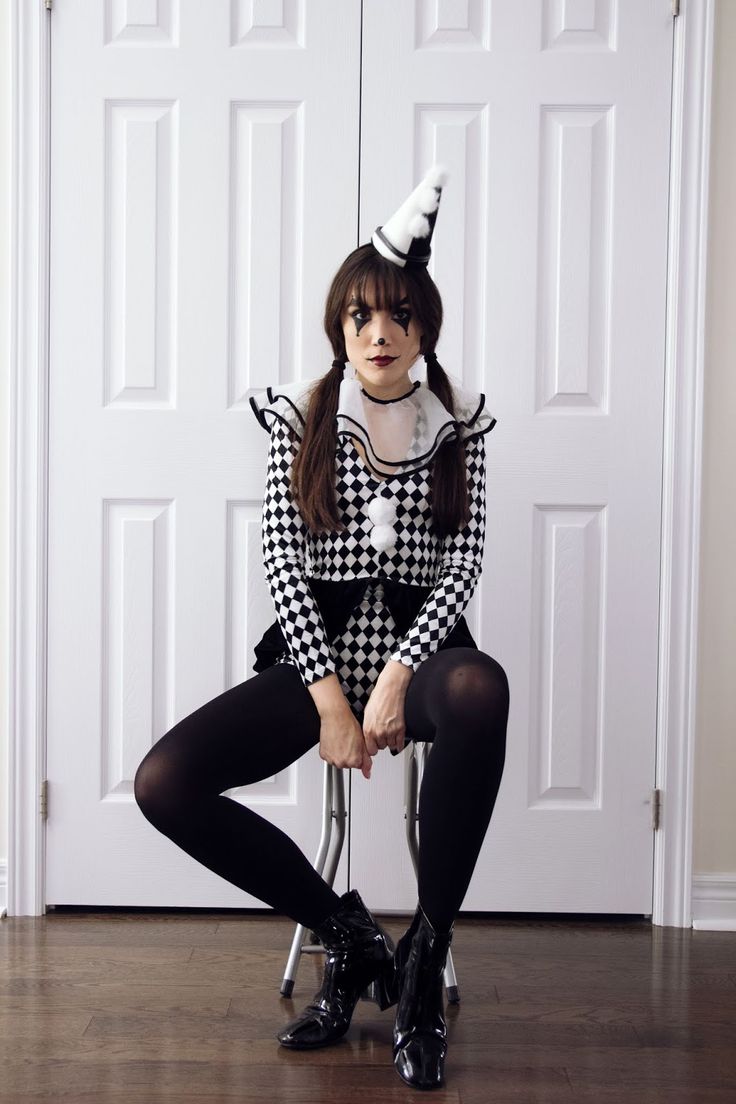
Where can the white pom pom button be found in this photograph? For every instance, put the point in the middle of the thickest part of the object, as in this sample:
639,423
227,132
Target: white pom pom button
382,512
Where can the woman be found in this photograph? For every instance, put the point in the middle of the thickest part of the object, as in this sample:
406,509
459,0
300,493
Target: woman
378,483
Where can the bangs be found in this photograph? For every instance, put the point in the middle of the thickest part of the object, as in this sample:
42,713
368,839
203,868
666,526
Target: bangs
379,280
366,274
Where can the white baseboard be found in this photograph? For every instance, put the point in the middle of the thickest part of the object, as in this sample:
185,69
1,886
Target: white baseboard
714,901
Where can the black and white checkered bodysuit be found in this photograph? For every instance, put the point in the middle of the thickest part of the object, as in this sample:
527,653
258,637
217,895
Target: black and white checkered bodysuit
258,727
450,565
363,647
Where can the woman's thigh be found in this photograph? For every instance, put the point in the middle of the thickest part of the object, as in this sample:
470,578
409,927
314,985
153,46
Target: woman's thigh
249,732
461,684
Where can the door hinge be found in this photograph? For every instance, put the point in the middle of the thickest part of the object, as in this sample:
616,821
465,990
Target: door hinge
675,7
656,808
44,803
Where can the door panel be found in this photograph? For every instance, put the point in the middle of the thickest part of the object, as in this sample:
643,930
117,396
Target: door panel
198,207
550,253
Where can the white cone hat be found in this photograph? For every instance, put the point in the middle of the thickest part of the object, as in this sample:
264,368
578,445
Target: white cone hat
406,237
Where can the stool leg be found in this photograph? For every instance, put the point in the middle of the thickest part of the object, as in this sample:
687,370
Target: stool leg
411,815
339,815
333,798
413,772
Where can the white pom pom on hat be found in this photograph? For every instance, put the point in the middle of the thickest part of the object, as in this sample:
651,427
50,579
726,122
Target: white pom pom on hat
435,176
406,237
426,198
419,226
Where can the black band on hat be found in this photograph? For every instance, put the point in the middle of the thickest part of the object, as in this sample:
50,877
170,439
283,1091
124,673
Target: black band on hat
423,259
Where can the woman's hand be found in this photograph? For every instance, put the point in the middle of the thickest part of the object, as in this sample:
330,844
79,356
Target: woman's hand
383,720
341,741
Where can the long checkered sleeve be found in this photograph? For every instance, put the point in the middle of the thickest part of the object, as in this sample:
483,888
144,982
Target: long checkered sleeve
460,569
283,536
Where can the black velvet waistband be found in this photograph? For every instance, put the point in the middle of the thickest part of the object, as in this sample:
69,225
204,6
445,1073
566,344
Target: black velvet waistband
336,599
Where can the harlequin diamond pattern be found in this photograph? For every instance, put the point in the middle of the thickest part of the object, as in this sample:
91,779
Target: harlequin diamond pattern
291,554
362,648
283,536
461,564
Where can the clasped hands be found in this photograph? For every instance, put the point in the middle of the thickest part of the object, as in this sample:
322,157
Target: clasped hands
344,742
383,719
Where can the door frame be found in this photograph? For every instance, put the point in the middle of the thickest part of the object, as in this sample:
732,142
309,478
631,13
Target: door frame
28,506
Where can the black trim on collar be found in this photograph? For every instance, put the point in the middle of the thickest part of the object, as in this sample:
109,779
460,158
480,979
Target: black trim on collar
398,398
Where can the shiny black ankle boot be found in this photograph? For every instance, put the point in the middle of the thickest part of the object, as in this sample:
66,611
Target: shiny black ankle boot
359,961
420,1031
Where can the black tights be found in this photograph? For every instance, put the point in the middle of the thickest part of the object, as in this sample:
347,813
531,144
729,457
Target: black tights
458,699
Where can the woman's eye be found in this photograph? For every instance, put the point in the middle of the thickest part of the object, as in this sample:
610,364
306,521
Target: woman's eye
359,317
403,318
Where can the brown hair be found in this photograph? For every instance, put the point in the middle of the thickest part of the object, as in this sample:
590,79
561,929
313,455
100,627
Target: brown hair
312,476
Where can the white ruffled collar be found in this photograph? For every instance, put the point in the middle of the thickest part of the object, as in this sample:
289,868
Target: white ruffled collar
403,434
398,435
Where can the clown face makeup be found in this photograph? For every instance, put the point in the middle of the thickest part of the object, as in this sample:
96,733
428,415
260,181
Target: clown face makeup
381,345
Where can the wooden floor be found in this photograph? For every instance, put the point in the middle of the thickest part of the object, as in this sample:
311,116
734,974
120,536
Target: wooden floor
174,1006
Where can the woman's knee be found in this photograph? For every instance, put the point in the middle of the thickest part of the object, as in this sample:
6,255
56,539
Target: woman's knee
193,758
474,684
149,785
160,786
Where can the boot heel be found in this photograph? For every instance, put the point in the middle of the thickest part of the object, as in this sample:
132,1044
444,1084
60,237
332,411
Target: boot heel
384,990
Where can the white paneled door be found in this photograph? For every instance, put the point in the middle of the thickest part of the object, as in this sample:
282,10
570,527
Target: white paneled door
204,175
550,253
206,182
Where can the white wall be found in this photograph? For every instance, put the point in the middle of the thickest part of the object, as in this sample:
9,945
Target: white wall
715,836
4,373
715,778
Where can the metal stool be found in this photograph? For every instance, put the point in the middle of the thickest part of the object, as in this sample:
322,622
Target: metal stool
333,810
